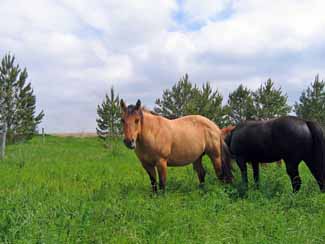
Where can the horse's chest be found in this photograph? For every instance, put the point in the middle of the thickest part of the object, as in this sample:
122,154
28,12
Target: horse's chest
148,155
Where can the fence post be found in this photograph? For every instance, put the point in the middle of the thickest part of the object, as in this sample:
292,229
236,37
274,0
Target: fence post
3,140
43,135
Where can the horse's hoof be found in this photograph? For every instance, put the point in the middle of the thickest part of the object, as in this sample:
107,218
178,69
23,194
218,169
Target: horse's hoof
228,180
201,185
257,185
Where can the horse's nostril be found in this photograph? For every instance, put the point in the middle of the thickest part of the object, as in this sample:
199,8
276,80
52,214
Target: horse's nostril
130,143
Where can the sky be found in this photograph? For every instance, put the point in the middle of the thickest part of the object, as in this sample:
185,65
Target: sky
75,50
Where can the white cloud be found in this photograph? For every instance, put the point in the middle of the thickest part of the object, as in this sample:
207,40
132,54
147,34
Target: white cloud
202,11
74,50
257,26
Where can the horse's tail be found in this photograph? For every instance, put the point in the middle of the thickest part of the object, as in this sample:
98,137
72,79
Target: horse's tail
226,169
318,153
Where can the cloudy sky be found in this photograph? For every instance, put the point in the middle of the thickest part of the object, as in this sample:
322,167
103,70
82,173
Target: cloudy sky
75,50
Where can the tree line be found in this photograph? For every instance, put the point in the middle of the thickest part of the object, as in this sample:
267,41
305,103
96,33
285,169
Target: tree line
18,103
185,97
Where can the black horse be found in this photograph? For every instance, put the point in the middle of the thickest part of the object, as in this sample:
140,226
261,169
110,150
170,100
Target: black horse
288,138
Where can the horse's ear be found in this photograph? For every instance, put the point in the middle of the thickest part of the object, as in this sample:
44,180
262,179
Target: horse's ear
138,105
123,105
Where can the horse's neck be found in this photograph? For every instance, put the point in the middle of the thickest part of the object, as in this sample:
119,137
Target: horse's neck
149,126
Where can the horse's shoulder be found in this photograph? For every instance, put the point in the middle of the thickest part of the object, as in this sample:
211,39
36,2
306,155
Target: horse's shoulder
250,127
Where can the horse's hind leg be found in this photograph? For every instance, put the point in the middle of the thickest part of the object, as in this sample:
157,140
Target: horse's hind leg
293,172
256,174
217,164
198,167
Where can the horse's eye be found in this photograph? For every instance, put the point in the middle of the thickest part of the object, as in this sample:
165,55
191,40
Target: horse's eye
122,120
137,121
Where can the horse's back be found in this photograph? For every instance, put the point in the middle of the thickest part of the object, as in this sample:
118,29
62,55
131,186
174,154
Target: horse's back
194,124
285,137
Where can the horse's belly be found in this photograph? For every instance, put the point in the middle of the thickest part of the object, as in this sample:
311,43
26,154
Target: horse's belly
178,163
184,156
181,161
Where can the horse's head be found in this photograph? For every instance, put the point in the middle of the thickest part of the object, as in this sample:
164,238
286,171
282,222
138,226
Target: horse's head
131,120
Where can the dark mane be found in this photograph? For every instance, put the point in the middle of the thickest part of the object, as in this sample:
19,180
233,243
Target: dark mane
144,109
157,114
131,109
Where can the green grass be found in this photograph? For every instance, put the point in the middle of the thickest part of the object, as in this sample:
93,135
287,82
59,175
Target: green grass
72,190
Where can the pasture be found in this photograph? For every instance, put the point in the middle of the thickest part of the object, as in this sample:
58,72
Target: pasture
74,190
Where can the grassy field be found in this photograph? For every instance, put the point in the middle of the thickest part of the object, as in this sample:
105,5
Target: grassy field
74,190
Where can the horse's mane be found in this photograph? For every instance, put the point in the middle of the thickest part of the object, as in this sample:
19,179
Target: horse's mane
144,109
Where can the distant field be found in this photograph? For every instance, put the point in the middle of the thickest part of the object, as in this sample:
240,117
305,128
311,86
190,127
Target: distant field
75,190
75,134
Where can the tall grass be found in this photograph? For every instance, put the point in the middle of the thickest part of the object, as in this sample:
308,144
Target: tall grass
76,190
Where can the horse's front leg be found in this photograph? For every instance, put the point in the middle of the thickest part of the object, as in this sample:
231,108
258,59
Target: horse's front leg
162,172
152,175
243,169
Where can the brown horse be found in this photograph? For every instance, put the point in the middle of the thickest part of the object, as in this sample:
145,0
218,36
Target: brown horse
160,142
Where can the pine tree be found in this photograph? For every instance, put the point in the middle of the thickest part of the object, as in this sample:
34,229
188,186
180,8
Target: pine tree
240,105
311,105
18,101
174,103
206,102
269,102
109,114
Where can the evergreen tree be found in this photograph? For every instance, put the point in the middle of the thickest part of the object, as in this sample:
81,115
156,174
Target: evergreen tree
109,114
311,104
269,102
185,98
206,102
240,105
18,101
175,102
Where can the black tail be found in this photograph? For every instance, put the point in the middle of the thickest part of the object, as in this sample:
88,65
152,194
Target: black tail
318,156
226,173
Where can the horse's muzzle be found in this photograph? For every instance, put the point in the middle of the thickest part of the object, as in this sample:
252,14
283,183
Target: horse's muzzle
129,143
